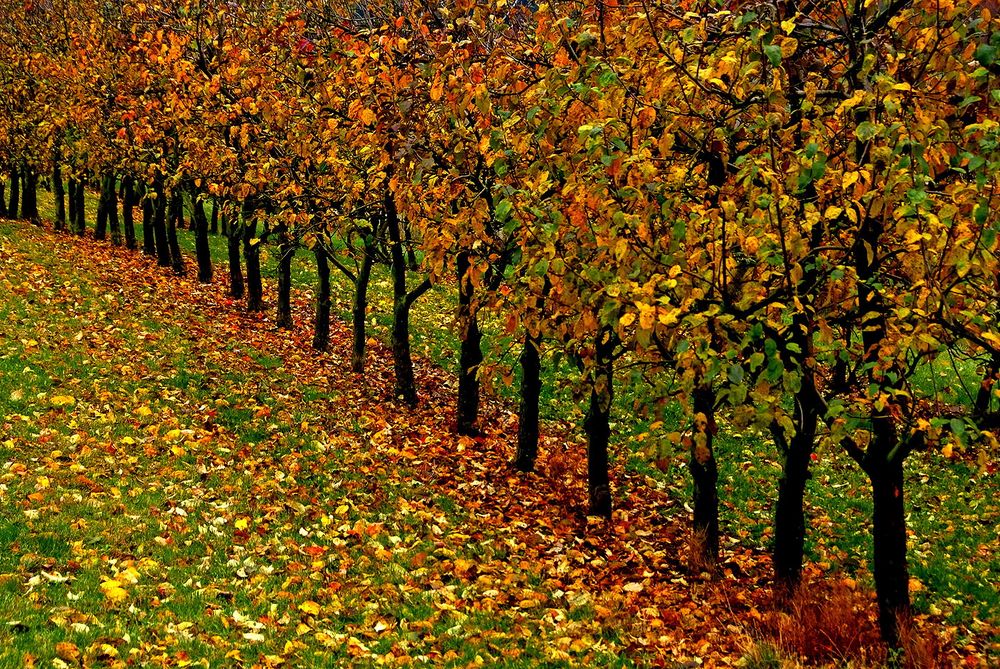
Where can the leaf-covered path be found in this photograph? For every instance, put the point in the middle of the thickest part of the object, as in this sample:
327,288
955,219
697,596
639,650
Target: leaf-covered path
184,484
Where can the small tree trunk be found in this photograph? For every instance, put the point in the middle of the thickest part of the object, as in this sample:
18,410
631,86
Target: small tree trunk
251,251
892,580
233,242
148,223
175,219
405,387
202,250
71,186
15,192
705,474
29,198
214,226
789,516
111,204
598,426
81,206
359,309
321,327
101,226
160,226
527,414
3,199
286,249
128,211
470,353
58,193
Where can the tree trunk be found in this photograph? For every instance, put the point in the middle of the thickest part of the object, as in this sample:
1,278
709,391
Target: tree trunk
233,242
128,211
470,354
81,206
321,326
101,226
405,387
527,414
111,205
29,196
58,193
705,474
251,252
160,226
359,309
3,199
175,219
15,192
71,186
148,224
598,426
214,224
890,570
286,250
789,516
202,250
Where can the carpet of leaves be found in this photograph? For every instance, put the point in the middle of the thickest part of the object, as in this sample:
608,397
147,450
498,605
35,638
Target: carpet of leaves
182,484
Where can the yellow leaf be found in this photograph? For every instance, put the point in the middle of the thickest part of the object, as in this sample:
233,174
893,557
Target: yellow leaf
833,212
342,510
173,434
114,591
367,117
241,523
627,319
63,400
310,607
144,411
947,450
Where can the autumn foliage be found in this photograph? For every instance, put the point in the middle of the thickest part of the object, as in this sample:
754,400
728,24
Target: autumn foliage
775,215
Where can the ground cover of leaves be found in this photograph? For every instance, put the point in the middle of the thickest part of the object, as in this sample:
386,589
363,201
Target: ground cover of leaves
184,485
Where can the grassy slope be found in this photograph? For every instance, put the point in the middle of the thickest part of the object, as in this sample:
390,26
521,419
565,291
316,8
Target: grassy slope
953,504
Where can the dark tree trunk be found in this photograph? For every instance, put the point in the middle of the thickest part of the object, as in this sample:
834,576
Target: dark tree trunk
160,226
890,570
101,226
128,211
321,326
470,353
3,199
233,242
58,194
81,206
111,208
15,193
29,196
175,219
705,475
251,252
214,224
411,255
531,390
405,387
203,252
71,186
789,515
359,309
286,250
148,223
598,426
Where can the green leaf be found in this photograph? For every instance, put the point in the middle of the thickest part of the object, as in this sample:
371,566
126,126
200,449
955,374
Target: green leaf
773,53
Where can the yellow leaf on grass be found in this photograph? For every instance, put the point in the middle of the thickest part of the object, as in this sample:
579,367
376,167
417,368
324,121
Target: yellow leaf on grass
114,591
144,411
310,607
63,401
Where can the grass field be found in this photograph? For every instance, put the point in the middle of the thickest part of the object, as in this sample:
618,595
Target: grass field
182,483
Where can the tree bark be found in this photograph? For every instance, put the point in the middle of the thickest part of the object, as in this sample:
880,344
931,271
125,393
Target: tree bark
175,219
214,224
29,196
58,193
81,206
359,309
203,252
705,474
101,225
286,250
15,192
890,569
531,389
597,425
111,207
160,226
470,353
3,199
789,515
251,252
233,242
128,210
405,385
321,326
148,222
